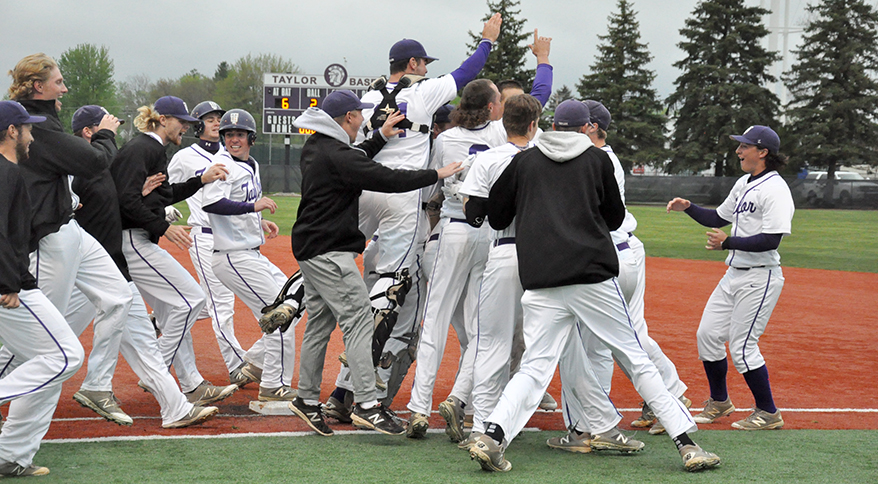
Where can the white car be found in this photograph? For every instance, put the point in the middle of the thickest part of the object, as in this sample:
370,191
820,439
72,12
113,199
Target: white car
850,186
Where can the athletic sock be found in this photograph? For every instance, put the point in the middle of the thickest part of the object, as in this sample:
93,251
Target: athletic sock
339,393
682,440
716,377
759,385
495,432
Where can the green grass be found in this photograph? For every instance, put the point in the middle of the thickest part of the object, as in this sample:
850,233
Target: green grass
841,240
801,456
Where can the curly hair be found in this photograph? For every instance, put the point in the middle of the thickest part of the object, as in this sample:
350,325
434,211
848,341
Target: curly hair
473,109
147,120
35,67
774,161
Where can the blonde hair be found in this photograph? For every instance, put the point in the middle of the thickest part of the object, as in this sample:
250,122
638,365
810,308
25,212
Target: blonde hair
148,119
35,67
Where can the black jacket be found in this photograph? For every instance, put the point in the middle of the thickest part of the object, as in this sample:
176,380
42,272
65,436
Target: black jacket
55,154
564,212
99,215
140,158
14,231
333,176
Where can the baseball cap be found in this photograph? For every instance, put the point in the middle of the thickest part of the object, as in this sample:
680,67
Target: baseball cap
408,48
759,135
13,114
598,113
572,113
174,106
337,103
443,114
90,115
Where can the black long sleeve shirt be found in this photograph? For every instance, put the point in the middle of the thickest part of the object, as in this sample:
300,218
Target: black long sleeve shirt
15,222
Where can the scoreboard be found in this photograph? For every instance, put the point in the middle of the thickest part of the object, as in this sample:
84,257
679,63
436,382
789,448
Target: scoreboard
287,96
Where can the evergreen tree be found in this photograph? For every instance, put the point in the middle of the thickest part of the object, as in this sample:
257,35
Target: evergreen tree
620,80
831,117
508,55
547,117
720,91
88,73
222,71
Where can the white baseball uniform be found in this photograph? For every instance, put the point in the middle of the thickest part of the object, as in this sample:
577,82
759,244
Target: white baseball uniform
220,305
240,266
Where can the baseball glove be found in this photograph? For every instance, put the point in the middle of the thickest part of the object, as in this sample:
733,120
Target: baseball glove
287,307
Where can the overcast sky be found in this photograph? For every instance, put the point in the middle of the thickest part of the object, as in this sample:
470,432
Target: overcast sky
165,39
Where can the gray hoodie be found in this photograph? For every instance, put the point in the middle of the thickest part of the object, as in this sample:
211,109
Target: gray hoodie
317,120
561,146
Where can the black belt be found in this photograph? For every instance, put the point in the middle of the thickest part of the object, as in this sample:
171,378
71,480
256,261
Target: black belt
231,250
748,268
504,241
433,237
458,220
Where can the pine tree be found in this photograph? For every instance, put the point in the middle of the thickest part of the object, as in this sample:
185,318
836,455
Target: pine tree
720,91
508,55
620,80
831,117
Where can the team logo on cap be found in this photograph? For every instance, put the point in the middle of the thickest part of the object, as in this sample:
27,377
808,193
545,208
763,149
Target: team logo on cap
213,105
185,107
234,118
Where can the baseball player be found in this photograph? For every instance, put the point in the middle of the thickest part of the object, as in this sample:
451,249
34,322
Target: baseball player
99,216
168,288
63,255
632,281
399,217
220,304
760,209
234,207
564,199
31,328
325,241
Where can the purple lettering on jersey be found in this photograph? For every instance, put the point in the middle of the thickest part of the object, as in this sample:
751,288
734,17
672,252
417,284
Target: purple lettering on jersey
200,172
403,108
473,149
745,207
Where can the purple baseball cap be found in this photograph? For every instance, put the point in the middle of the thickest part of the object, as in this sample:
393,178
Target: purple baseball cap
14,114
598,113
90,115
174,106
759,135
406,49
337,103
572,113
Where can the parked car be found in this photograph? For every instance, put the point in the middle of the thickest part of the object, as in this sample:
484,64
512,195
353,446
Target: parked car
850,187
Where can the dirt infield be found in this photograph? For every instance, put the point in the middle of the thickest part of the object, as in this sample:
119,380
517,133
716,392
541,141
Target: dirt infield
818,346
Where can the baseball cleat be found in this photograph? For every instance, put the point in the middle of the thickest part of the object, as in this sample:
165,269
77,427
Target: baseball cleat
337,410
312,415
489,454
252,372
614,440
466,443
376,418
760,420
572,442
697,459
11,469
280,394
104,404
548,402
714,410
239,378
195,416
418,425
452,411
646,418
206,393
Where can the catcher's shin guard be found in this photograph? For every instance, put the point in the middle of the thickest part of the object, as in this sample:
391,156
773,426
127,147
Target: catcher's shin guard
401,362
387,295
287,307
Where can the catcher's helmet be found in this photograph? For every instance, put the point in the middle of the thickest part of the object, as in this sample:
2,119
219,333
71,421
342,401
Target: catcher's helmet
239,119
203,109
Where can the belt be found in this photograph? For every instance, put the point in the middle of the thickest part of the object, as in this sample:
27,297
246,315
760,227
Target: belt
233,250
458,220
504,241
433,237
203,230
622,246
748,268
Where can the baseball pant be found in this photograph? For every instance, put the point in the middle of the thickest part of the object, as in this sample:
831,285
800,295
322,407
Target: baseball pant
45,353
254,279
220,300
457,273
550,317
335,292
176,300
140,348
737,313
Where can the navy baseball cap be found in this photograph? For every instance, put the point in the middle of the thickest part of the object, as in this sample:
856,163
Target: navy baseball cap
406,49
761,136
443,114
337,103
14,114
598,113
90,115
572,113
174,106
